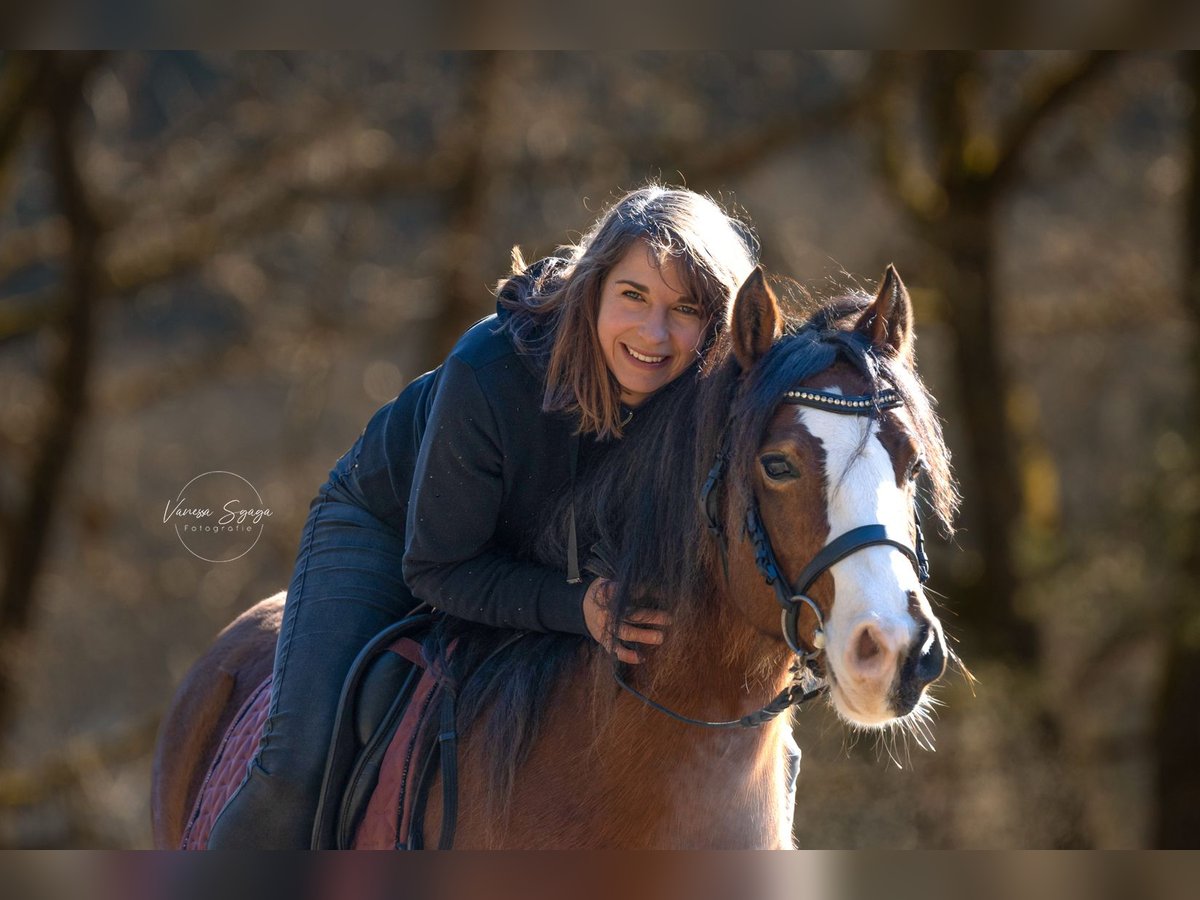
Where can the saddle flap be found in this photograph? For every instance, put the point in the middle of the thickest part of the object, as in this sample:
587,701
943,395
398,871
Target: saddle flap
376,697
393,682
346,742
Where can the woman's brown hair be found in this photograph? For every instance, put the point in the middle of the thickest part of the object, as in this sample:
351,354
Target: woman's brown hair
553,306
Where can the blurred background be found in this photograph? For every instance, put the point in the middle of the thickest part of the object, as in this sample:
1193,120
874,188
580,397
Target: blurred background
229,261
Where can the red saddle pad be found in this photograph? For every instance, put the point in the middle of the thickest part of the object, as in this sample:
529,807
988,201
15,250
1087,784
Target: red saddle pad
385,825
228,767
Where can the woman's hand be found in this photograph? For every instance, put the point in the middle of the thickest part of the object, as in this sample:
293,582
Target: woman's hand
597,613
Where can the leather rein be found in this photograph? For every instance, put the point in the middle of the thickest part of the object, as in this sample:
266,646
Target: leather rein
793,598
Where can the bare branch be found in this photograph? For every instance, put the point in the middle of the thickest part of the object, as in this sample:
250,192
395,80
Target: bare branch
41,242
1045,98
948,76
717,162
146,253
898,157
259,193
21,82
260,176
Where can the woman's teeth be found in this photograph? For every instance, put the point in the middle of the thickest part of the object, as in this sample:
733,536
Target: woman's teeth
642,357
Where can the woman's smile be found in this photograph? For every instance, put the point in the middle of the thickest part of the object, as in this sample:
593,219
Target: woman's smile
646,359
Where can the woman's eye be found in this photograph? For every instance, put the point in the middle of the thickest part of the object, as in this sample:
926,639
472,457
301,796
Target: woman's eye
688,310
632,295
777,467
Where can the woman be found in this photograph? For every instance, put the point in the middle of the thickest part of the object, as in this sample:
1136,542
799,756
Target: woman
449,482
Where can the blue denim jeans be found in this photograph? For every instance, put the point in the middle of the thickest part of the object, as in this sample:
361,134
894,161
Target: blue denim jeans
347,586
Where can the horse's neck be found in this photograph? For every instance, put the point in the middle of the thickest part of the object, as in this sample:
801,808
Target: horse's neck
700,786
610,772
716,667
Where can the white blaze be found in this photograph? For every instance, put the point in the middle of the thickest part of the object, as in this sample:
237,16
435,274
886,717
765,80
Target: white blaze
872,584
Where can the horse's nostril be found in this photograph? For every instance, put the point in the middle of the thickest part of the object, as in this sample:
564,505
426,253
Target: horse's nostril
866,648
925,664
932,661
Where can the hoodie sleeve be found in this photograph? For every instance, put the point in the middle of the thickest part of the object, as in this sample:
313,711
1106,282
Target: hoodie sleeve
451,557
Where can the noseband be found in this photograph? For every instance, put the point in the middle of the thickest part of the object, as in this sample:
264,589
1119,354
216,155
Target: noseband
793,599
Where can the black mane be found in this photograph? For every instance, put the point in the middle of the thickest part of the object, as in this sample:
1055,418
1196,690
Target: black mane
640,511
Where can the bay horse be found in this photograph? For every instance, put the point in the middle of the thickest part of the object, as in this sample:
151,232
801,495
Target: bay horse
769,506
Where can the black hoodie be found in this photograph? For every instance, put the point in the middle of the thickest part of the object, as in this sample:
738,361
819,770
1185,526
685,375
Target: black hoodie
466,467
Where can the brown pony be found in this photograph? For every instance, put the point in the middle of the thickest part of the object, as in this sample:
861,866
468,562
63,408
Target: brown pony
821,432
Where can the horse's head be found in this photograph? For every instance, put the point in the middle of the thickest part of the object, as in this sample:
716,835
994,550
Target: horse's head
830,432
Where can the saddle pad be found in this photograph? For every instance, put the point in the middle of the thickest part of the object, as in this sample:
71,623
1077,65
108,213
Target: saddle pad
228,767
386,823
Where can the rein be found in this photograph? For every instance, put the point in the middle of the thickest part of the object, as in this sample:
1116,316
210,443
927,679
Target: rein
792,599
792,695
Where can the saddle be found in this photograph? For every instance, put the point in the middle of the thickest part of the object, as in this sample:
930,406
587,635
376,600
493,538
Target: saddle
385,727
396,721
396,717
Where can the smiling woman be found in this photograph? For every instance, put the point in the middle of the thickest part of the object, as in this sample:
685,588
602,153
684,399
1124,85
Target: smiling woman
448,483
658,251
649,329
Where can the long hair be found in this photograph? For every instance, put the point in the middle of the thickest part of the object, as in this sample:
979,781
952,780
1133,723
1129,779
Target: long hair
553,307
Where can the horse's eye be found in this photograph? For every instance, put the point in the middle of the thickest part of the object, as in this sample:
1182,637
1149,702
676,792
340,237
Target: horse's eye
777,467
915,468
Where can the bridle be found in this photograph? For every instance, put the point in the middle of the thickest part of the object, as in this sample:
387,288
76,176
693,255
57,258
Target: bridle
794,598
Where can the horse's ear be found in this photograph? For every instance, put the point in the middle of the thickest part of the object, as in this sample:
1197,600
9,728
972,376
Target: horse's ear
757,321
888,321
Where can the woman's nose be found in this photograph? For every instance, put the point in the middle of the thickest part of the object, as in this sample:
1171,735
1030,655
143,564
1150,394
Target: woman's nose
654,327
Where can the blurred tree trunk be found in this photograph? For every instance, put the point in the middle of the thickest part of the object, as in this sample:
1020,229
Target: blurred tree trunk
1177,736
964,235
951,190
953,200
464,283
29,521
952,205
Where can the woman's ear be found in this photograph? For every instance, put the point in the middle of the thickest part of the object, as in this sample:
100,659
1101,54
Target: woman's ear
756,320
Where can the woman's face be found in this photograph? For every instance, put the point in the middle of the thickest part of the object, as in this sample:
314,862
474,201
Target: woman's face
649,330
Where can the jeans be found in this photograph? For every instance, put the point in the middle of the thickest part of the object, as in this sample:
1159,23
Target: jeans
347,586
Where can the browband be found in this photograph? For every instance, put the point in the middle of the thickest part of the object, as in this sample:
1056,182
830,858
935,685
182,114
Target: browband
840,403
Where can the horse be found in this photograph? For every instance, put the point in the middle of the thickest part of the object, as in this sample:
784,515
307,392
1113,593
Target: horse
770,506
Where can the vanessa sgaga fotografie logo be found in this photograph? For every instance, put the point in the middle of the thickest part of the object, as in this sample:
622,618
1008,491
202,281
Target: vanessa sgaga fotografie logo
218,516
